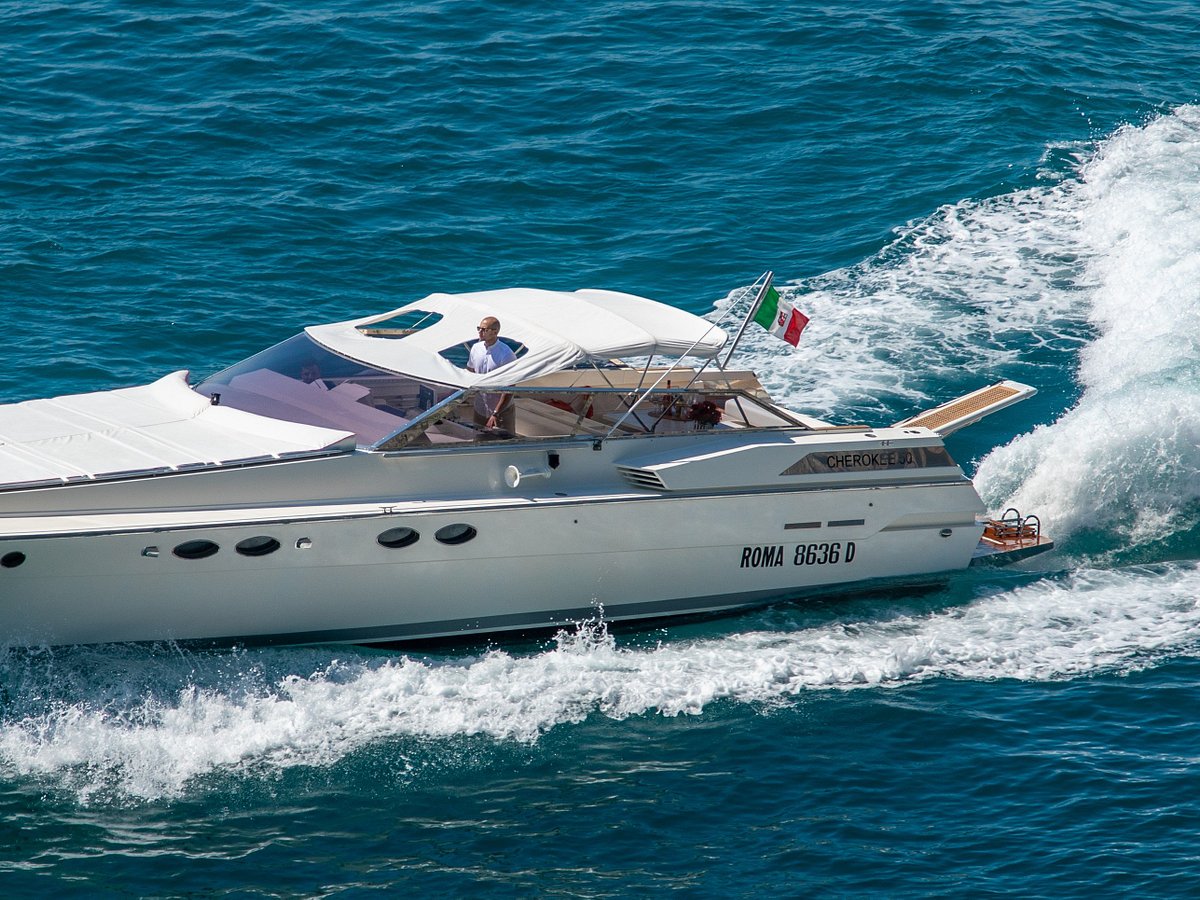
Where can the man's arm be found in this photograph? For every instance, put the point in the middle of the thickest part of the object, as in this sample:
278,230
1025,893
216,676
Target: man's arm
494,419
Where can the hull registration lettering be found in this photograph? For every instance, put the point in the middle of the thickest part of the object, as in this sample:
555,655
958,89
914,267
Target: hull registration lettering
762,557
827,553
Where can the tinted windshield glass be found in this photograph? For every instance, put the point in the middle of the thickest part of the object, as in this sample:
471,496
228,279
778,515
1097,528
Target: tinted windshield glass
300,381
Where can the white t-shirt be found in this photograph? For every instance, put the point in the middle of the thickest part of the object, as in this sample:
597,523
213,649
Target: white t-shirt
486,359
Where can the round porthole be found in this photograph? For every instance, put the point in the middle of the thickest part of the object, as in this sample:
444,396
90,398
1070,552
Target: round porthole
12,560
195,549
395,538
257,546
455,534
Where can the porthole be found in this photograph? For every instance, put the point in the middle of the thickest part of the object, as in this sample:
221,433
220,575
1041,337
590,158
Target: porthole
12,560
257,546
195,549
455,534
395,538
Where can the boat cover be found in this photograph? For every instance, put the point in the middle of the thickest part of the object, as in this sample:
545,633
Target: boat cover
558,329
159,427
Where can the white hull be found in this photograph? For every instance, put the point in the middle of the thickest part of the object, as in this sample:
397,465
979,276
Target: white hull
537,560
355,483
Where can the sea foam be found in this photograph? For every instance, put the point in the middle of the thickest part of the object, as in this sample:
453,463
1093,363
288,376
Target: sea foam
974,291
1093,270
1094,263
253,711
1127,457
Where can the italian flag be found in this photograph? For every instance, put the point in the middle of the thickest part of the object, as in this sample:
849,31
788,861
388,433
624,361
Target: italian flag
780,317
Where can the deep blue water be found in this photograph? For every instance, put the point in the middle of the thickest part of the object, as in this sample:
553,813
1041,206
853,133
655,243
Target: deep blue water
958,191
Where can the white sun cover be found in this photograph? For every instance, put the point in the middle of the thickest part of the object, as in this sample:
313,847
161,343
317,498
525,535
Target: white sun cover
159,427
559,329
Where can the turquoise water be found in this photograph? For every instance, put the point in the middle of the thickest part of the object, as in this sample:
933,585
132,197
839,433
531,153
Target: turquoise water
957,191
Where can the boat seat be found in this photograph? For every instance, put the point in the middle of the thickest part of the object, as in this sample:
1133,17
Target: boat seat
536,418
269,393
740,413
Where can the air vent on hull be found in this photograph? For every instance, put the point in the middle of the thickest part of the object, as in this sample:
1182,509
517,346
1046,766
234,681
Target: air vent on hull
642,478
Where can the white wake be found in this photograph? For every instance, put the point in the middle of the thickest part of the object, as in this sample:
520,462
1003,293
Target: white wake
1100,267
274,710
1128,455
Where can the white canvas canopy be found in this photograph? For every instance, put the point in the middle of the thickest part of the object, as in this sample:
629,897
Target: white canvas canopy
559,329
164,426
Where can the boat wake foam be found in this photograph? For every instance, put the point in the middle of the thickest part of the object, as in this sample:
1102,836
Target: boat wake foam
982,288
172,719
1127,457
1093,270
1097,262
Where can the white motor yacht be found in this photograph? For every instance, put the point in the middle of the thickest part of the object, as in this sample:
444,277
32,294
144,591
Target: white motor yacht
345,486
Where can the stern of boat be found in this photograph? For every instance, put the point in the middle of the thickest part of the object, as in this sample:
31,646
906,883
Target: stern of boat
1010,538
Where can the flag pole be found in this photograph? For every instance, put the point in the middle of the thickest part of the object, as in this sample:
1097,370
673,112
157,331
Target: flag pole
762,292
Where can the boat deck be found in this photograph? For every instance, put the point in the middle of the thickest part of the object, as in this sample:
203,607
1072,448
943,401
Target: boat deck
160,427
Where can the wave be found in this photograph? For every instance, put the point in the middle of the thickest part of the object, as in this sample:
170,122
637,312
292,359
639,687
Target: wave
1126,458
1086,284
982,288
1091,271
172,718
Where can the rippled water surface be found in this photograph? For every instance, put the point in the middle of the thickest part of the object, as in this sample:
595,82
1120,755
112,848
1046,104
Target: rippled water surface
955,191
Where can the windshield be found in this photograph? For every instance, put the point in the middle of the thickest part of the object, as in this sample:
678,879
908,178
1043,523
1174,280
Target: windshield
301,381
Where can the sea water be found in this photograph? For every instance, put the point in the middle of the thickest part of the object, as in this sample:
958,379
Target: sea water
954,192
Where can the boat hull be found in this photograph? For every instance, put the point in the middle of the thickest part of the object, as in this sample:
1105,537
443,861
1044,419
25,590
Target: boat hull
527,563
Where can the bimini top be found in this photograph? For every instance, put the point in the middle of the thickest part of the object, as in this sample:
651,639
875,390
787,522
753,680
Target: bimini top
557,330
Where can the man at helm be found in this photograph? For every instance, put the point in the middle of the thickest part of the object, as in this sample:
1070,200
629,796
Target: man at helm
487,354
